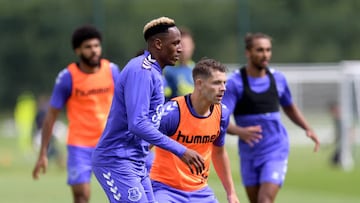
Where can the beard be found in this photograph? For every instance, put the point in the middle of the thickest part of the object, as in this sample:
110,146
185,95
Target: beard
259,67
89,62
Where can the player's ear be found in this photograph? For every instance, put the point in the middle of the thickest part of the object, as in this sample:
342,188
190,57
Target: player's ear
77,51
158,43
198,82
247,53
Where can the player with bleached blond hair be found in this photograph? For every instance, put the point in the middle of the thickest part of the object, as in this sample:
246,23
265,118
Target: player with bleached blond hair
119,158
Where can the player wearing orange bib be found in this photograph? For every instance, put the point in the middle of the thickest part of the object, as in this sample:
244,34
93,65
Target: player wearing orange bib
86,89
198,121
89,105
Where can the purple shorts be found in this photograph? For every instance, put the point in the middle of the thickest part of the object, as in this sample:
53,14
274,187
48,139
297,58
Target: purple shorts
165,194
126,182
271,171
79,164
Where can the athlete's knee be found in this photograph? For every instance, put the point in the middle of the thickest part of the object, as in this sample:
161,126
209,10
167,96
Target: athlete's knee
81,199
81,193
267,192
266,198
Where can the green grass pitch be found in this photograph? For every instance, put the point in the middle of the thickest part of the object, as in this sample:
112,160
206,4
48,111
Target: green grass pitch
310,179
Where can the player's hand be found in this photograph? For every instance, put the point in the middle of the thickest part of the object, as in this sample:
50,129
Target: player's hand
233,199
40,166
251,134
311,134
193,159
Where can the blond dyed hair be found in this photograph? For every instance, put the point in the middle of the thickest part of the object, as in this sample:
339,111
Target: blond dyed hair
158,25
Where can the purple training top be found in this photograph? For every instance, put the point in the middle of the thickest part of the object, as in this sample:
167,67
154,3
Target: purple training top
275,141
135,115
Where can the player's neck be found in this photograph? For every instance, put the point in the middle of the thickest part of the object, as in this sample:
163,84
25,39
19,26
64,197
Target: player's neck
255,72
156,55
201,106
88,69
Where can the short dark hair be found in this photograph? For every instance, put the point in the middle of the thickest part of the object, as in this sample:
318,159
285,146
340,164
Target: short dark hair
249,39
204,67
156,26
83,33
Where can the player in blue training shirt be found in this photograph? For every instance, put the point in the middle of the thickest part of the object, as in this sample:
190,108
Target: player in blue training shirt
254,95
179,77
119,158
